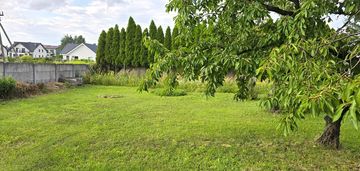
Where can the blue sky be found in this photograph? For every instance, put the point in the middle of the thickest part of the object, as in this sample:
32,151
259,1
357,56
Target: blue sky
47,21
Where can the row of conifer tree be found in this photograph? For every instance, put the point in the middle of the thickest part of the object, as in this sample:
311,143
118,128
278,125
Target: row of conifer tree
119,48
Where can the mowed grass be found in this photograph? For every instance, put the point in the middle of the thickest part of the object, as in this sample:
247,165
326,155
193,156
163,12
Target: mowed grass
80,130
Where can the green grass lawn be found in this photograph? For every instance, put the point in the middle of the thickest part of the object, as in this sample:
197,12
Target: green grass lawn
80,130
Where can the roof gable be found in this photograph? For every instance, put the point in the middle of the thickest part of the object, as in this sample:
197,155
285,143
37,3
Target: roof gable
29,45
68,47
72,46
93,47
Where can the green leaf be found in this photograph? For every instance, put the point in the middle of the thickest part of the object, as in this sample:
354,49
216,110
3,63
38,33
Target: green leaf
313,108
330,107
338,113
347,92
357,98
353,115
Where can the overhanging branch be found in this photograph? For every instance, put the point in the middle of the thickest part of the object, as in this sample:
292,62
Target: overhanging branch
278,10
296,3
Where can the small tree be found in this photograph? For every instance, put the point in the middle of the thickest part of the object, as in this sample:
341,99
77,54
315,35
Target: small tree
308,62
167,41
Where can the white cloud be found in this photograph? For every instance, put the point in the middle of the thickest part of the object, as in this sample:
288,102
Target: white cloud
47,21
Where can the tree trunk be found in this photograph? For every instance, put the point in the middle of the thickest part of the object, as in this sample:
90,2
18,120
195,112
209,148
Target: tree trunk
331,135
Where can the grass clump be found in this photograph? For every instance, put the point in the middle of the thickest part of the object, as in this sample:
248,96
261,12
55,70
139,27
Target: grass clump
134,78
169,93
122,78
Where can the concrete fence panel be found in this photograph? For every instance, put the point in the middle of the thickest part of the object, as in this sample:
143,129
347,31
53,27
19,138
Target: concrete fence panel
80,70
2,70
65,71
41,73
20,71
45,73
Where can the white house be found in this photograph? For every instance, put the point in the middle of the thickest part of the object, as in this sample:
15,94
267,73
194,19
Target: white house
79,51
52,50
36,50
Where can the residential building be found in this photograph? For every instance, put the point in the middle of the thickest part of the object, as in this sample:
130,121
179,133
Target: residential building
52,50
36,50
79,51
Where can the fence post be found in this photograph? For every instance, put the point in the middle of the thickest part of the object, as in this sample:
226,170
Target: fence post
73,71
34,75
4,69
55,73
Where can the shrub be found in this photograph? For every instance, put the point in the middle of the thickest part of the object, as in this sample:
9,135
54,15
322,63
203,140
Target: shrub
168,92
7,86
122,78
24,90
26,59
134,79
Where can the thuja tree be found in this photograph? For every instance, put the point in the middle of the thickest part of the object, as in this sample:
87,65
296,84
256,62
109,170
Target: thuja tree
160,35
167,41
175,33
115,45
122,48
100,53
130,41
311,65
137,47
108,46
153,36
144,52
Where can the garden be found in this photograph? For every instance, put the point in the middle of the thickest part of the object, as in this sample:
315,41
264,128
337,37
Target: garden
118,128
233,85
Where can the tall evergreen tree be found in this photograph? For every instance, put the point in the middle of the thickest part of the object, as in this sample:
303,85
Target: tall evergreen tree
144,52
100,53
137,49
167,41
152,30
115,47
122,48
175,34
152,35
130,41
160,35
108,46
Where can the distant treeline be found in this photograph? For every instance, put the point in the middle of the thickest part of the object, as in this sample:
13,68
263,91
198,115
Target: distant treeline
119,48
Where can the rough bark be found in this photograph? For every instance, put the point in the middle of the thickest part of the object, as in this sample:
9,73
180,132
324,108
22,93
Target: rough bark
331,135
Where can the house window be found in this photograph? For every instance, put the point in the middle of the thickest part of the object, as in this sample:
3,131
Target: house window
39,50
23,50
76,57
